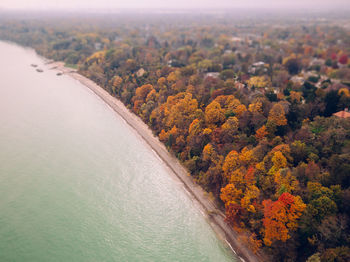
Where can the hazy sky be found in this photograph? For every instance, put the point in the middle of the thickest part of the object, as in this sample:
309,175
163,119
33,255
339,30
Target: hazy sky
180,4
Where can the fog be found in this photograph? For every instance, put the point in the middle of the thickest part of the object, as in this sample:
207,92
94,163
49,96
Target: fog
178,4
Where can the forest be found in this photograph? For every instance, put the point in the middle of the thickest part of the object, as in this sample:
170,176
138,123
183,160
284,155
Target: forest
255,109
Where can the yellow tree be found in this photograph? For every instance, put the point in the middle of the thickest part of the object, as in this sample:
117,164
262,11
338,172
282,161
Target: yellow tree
277,115
279,162
161,82
251,193
240,195
344,92
97,57
295,96
285,181
246,157
231,163
214,114
142,92
180,110
240,110
241,191
231,124
208,152
194,138
171,77
255,107
258,82
152,96
233,210
276,160
195,128
228,103
229,128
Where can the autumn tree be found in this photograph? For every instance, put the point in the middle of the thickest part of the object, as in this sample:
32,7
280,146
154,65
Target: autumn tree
140,96
255,107
240,195
258,82
281,217
343,59
116,84
229,129
261,133
277,115
196,138
180,110
228,103
231,163
214,114
285,182
295,97
279,161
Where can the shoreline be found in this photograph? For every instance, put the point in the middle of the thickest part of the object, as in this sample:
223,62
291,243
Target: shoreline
213,214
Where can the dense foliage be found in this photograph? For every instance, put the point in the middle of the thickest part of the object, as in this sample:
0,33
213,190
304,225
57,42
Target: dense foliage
245,105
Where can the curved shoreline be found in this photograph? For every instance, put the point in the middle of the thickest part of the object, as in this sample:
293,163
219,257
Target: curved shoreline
213,214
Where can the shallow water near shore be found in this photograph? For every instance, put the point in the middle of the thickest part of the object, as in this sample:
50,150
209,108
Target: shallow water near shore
77,183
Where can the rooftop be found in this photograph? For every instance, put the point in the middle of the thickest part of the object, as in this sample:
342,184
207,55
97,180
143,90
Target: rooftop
342,114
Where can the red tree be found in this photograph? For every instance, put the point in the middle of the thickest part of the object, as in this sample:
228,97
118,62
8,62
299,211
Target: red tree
343,59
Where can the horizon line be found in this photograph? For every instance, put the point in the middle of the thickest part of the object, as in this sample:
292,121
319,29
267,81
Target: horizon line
181,9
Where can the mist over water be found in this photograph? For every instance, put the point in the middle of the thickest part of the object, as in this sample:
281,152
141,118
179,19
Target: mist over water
77,183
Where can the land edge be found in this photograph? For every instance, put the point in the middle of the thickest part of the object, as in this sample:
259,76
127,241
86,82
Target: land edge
213,214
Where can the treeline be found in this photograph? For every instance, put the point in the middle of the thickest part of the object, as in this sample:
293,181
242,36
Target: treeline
246,107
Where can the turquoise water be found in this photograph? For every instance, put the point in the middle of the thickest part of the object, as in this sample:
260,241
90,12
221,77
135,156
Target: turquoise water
77,183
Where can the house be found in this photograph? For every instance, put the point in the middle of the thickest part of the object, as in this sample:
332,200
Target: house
236,39
258,66
212,74
317,62
297,80
140,72
343,114
239,85
98,46
323,79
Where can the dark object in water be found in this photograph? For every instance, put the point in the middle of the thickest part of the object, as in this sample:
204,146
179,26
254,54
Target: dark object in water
33,65
59,74
40,70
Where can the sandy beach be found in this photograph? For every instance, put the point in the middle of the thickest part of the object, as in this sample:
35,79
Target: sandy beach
214,215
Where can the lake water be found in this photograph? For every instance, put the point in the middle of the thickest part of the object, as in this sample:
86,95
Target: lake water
78,184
